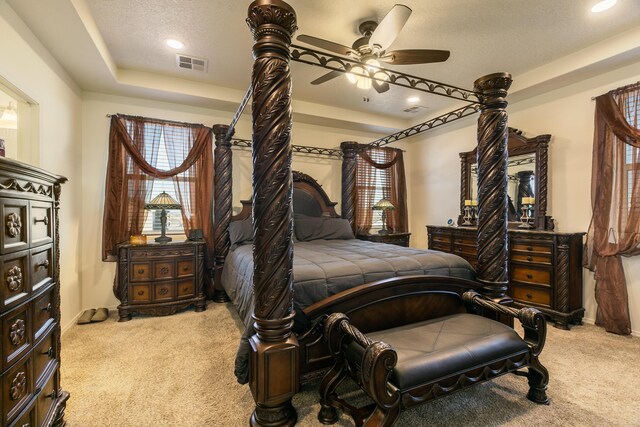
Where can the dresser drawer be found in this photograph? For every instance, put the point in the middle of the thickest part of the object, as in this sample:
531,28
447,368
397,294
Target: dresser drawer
44,356
140,293
440,246
46,399
15,225
28,416
437,237
41,219
531,295
43,313
17,389
140,272
14,273
163,291
531,275
467,250
186,267
163,270
16,334
41,267
531,257
185,289
531,247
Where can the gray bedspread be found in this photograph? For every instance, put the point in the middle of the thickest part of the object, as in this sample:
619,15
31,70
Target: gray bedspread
322,268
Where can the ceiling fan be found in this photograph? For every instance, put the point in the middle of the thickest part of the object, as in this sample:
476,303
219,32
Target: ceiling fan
371,49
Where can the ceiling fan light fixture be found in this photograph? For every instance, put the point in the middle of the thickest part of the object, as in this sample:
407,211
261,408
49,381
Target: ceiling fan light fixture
603,5
413,99
174,44
363,83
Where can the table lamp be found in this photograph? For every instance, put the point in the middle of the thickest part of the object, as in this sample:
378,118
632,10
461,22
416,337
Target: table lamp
383,205
163,201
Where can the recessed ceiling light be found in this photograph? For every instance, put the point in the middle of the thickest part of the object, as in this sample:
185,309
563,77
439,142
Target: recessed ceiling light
176,44
603,5
413,99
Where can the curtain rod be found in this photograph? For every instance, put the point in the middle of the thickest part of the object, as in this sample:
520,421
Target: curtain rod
156,120
631,86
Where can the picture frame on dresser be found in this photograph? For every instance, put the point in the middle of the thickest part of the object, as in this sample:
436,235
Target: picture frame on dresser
30,296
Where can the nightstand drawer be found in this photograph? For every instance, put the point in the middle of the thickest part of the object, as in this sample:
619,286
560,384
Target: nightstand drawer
14,273
140,271
140,294
41,218
163,270
531,275
531,295
163,291
186,288
185,268
16,331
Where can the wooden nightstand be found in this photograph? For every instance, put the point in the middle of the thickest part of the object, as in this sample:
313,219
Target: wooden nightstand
400,239
160,279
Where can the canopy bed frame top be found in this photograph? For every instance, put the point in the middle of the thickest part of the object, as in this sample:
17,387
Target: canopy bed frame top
275,349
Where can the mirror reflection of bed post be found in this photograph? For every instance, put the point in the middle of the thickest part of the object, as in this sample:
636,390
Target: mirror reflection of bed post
274,349
222,195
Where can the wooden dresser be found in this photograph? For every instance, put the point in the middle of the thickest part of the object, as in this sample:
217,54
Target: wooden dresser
400,239
160,278
30,303
545,267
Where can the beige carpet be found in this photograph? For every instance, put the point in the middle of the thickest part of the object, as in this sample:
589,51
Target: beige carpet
178,371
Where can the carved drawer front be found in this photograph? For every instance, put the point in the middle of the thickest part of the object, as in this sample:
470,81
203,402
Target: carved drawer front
163,291
440,246
532,247
27,418
17,389
46,399
531,275
43,357
185,268
185,288
43,313
41,214
163,270
41,267
15,225
531,295
15,278
532,257
140,271
139,294
463,249
16,335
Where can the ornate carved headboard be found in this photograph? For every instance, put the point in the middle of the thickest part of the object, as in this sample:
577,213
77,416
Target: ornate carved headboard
308,198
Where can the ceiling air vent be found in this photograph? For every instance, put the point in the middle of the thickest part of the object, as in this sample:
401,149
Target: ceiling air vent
191,63
415,109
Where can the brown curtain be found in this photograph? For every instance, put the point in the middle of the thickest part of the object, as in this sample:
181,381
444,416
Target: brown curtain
615,200
381,166
133,150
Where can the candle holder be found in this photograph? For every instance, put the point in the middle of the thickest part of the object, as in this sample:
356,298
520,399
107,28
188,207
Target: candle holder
527,217
467,216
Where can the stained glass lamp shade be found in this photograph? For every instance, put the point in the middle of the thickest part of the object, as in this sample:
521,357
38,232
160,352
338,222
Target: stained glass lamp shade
163,201
383,205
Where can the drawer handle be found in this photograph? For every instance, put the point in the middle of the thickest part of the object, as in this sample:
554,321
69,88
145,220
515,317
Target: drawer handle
51,395
47,308
185,289
185,268
141,271
529,248
49,352
163,291
529,258
45,220
44,264
529,296
140,293
529,276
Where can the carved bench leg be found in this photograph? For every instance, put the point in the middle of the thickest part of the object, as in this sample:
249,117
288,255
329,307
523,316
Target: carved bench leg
331,380
538,380
383,417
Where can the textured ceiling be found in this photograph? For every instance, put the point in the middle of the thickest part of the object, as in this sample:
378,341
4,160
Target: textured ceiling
483,37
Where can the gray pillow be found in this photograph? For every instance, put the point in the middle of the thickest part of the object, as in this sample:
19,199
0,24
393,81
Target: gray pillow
240,232
313,228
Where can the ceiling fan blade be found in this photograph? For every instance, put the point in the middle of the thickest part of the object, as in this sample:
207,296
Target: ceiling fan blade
390,27
326,77
415,56
380,87
325,44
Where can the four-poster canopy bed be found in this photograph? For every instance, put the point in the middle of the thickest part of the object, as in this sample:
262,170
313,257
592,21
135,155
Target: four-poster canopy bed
278,356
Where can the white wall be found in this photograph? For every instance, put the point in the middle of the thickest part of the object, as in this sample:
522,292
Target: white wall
567,114
58,140
97,276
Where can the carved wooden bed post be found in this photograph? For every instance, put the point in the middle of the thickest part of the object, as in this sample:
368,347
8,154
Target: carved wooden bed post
492,184
274,349
348,206
222,195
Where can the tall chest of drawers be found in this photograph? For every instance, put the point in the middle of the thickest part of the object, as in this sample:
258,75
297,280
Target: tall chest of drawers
160,278
30,298
545,267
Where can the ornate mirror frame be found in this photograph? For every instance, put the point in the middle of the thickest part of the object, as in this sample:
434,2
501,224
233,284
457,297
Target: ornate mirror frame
517,145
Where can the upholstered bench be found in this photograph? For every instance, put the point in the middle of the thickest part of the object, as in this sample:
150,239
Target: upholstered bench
401,367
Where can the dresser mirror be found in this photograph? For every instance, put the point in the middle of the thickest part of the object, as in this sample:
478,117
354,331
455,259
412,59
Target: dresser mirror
527,182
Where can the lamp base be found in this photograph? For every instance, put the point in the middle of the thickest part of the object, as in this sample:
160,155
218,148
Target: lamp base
163,239
383,232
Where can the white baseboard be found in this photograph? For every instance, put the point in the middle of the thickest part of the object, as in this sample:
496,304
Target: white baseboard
593,322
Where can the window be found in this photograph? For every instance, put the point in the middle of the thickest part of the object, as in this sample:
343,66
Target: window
632,154
373,184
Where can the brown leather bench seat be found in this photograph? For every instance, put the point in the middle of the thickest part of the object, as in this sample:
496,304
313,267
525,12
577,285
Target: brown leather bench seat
445,346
